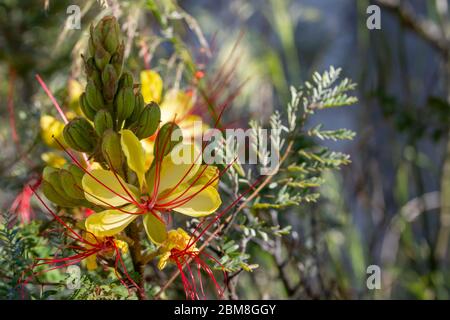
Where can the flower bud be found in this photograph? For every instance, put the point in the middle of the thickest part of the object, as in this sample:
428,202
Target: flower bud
148,121
47,172
76,172
85,108
139,105
103,121
80,135
109,80
70,184
54,180
108,32
94,96
169,135
111,149
126,80
52,195
92,72
124,104
117,59
102,57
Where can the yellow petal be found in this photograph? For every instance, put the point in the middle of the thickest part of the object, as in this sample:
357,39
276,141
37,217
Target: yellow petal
172,172
110,192
53,159
110,222
202,203
177,103
192,127
75,89
207,175
122,245
151,86
134,153
163,260
91,262
155,228
148,146
52,129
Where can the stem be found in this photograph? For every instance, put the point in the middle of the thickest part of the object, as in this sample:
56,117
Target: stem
135,252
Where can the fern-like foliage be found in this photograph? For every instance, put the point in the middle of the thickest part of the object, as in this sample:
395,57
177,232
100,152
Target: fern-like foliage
303,162
12,256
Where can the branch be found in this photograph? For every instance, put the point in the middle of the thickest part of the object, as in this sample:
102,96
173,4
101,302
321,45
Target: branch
424,28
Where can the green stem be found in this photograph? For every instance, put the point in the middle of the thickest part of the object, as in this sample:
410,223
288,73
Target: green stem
136,256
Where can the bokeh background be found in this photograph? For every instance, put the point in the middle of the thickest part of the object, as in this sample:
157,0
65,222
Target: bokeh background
390,207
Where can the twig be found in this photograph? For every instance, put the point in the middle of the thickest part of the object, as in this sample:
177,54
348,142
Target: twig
426,29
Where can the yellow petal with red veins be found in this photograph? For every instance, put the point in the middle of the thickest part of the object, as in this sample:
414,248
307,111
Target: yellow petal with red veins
178,167
104,188
196,201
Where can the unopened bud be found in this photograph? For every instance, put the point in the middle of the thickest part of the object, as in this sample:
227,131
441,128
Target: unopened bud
111,149
148,121
103,121
80,135
94,96
109,80
168,137
124,104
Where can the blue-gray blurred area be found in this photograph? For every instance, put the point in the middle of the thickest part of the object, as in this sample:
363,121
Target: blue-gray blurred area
391,195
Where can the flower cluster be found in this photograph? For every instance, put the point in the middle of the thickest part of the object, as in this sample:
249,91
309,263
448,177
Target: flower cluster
125,167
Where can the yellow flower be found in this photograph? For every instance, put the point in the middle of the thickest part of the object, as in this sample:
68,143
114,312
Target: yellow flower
176,105
53,159
52,128
108,252
74,90
177,240
187,188
151,86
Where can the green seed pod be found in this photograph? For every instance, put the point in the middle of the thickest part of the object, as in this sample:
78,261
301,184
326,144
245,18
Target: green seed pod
124,104
70,185
54,196
168,137
148,121
107,31
92,72
117,58
85,108
112,150
102,57
94,96
139,105
103,121
91,45
76,172
126,80
80,135
109,80
47,171
55,181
